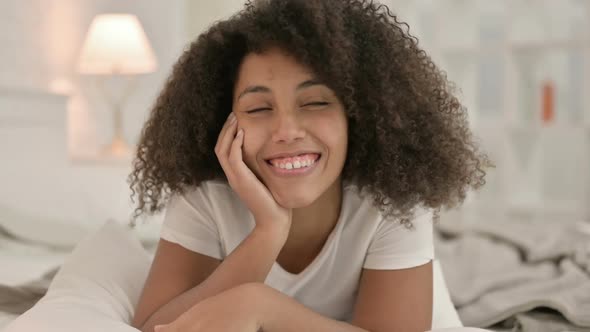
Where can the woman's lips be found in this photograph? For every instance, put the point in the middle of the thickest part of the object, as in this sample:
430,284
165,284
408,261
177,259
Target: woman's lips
301,159
293,171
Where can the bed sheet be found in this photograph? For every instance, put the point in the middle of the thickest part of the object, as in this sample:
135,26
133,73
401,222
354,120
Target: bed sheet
21,263
5,319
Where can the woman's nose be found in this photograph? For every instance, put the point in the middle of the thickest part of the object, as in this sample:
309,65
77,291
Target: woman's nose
287,128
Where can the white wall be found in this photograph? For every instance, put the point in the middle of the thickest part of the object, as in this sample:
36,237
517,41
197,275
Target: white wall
41,41
201,14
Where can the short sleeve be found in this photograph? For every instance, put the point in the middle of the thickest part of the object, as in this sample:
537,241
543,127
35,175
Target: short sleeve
188,222
396,246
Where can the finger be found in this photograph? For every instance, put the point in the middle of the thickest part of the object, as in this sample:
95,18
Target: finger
225,140
231,119
235,155
224,144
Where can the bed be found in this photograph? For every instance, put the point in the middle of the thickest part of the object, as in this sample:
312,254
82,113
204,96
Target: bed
24,116
519,274
48,202
24,264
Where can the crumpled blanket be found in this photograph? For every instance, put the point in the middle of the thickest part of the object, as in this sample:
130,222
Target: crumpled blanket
518,275
18,299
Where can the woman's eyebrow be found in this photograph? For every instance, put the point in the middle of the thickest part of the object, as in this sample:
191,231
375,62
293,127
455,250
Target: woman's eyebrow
252,89
261,88
309,83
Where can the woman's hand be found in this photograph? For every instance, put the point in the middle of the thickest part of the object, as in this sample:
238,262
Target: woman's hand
269,215
235,310
253,307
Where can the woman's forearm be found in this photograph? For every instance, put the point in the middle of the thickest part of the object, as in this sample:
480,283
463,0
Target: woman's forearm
250,262
281,313
255,307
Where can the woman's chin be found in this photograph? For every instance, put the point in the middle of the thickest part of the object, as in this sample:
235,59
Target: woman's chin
293,200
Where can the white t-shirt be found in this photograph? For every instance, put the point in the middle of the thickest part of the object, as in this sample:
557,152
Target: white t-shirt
212,220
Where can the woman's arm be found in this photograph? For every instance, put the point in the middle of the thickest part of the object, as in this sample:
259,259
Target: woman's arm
174,270
388,300
254,307
282,313
249,262
395,300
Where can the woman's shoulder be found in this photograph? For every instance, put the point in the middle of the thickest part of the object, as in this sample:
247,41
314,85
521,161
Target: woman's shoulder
356,197
361,206
210,187
209,192
357,206
211,202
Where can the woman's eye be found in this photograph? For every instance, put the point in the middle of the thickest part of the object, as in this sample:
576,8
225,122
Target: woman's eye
257,110
318,103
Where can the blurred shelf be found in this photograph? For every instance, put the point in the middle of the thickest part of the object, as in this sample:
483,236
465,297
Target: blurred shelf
503,65
567,45
515,47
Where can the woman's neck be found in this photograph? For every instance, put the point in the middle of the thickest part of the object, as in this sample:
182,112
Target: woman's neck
314,223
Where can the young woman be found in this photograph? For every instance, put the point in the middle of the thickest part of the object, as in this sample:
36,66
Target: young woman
302,149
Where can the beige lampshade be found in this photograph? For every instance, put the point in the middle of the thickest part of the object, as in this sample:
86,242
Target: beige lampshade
116,44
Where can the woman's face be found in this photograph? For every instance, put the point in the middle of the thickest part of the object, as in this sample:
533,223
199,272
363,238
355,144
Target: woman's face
295,127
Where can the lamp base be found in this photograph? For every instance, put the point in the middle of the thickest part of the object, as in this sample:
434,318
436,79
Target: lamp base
117,148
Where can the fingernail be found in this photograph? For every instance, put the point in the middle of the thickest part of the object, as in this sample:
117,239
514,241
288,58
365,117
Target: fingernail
241,132
232,117
158,327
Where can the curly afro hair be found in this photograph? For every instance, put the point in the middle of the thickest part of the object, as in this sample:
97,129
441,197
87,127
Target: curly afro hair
409,140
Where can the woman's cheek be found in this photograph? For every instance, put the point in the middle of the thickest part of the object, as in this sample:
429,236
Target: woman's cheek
248,149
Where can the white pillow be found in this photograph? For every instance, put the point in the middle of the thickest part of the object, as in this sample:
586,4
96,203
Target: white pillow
96,289
99,285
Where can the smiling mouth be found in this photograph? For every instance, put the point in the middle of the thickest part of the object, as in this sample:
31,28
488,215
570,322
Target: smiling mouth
299,162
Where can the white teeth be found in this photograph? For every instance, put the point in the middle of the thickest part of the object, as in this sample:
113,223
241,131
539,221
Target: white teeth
296,164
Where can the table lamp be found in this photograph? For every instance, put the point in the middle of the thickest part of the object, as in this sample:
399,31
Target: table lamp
116,44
